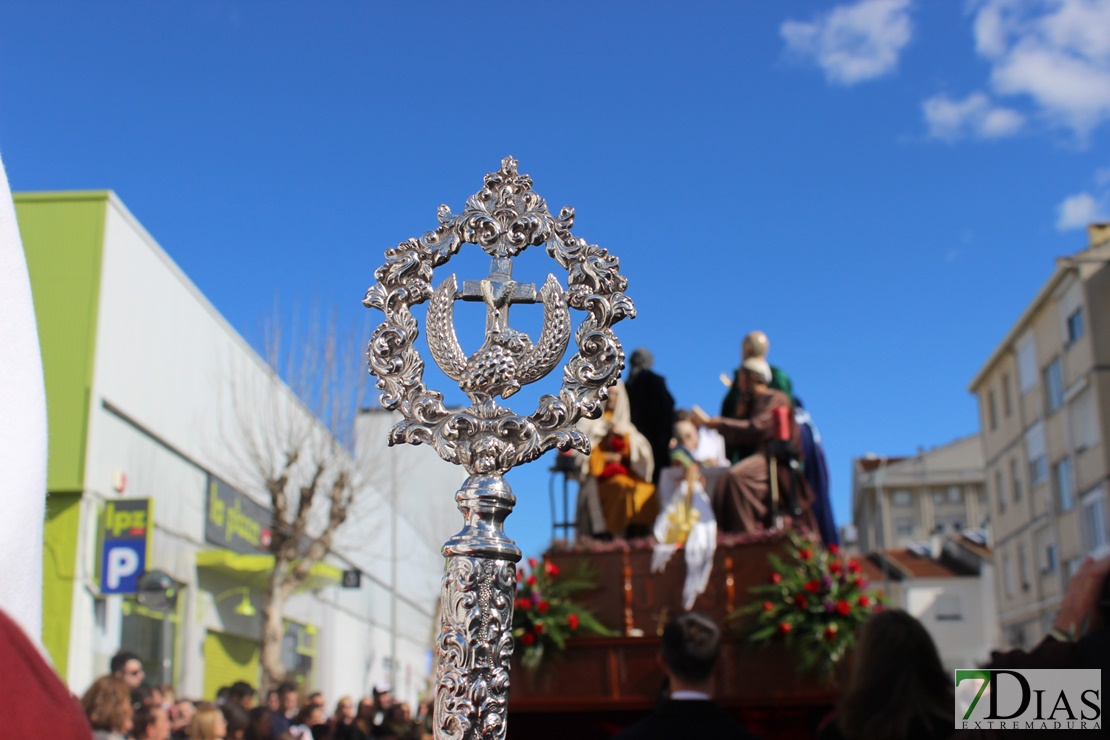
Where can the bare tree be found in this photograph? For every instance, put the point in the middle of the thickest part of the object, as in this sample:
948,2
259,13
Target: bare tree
292,437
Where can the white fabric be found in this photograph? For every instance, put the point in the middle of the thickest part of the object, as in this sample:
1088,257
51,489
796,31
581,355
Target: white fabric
22,432
711,448
690,696
700,547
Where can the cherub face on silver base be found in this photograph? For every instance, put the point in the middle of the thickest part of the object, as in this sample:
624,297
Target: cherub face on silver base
504,218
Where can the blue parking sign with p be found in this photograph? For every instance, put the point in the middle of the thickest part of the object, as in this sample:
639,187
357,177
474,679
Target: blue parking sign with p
125,544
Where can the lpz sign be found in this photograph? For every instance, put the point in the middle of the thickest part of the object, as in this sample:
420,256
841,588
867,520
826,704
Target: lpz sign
125,544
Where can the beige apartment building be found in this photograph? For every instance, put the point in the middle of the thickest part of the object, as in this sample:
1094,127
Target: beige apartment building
1043,396
897,501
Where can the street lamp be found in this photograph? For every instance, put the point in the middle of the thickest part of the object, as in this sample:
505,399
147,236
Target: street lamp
244,608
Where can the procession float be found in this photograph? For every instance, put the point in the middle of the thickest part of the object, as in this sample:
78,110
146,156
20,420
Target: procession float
578,629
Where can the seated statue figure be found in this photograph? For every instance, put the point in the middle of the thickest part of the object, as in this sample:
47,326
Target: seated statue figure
617,474
742,500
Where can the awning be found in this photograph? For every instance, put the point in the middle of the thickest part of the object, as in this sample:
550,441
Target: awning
255,569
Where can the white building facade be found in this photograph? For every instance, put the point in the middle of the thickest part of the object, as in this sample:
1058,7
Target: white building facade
140,373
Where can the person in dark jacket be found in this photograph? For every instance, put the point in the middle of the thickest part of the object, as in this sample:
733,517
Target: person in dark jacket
652,407
689,650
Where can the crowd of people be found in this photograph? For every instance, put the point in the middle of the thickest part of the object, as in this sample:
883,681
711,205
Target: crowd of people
776,473
122,706
896,689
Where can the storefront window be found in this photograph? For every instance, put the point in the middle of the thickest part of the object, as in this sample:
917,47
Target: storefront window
298,654
151,636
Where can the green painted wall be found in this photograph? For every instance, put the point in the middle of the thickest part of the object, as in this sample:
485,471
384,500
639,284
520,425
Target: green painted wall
63,238
59,567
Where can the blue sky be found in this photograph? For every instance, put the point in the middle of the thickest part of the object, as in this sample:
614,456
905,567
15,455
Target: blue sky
881,186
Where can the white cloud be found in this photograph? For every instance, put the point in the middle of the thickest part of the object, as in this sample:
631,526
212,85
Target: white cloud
1079,210
1056,52
974,116
853,43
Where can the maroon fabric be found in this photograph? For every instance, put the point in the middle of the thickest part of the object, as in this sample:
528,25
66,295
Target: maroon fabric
33,700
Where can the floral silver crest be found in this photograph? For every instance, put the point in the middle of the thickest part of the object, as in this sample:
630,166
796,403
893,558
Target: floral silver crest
505,217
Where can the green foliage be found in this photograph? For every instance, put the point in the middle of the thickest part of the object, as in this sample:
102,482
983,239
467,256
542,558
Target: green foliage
544,614
815,602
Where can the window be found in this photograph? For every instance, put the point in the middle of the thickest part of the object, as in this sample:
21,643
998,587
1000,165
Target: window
955,495
1008,576
1069,307
1084,420
1065,484
950,523
1006,407
999,491
1054,385
1046,551
1027,362
901,498
1035,453
1075,326
1023,568
948,608
903,527
141,633
992,413
298,652
1015,478
1094,519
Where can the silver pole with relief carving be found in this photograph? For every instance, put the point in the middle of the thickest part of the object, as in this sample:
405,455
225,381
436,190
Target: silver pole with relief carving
504,218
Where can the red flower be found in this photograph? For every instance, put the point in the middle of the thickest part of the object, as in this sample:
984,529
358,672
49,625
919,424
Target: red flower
854,566
813,586
550,569
617,443
519,576
532,563
801,601
862,583
528,639
768,606
834,567
785,627
830,632
843,608
523,603
776,578
538,628
834,549
805,554
531,580
543,606
572,621
864,601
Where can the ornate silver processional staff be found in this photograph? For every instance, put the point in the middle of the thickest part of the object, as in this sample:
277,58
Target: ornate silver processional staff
504,218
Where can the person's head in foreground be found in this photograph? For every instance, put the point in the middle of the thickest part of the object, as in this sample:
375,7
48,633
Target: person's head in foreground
689,650
898,685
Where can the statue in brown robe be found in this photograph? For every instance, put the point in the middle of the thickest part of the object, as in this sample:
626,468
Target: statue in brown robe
742,499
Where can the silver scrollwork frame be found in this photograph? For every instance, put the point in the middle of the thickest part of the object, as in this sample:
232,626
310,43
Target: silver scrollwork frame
503,218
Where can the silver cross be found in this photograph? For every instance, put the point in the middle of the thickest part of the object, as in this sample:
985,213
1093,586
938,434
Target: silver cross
498,291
